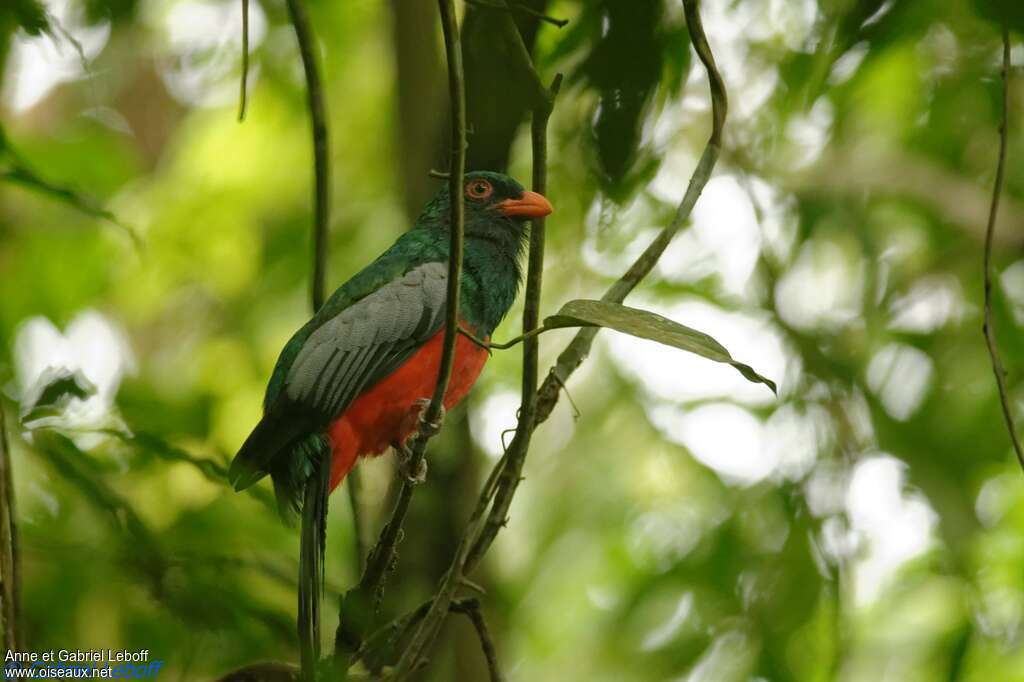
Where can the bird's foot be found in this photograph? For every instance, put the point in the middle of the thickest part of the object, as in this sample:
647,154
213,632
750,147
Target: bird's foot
413,475
424,427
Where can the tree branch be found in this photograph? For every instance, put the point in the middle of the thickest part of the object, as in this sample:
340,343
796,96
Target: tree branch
541,95
456,207
211,469
507,7
10,577
537,409
243,86
361,601
270,671
505,345
321,162
989,324
468,551
316,487
487,519
579,348
511,472
14,168
504,479
471,609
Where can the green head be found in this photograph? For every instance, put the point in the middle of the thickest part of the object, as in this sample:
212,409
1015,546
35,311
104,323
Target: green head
497,209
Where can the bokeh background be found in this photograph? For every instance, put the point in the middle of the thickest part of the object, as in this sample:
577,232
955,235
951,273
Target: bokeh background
676,522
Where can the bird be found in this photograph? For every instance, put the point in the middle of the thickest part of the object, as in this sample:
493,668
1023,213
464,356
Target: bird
355,377
354,380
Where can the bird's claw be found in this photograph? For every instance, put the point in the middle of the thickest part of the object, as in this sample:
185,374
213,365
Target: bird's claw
424,427
405,466
417,473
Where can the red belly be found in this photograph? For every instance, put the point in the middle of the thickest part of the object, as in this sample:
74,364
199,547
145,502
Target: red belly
384,414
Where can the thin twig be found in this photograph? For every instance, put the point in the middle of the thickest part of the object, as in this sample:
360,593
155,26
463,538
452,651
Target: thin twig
466,555
471,609
10,575
411,659
560,23
316,488
321,162
211,469
578,349
511,473
243,86
514,341
989,325
268,671
539,409
383,639
18,172
456,207
364,597
542,97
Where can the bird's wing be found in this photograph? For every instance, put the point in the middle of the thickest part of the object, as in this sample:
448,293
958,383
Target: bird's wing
367,340
368,328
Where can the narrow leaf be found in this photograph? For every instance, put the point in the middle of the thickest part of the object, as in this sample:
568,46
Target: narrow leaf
648,325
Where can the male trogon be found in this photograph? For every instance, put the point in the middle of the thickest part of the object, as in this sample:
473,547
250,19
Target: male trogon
354,376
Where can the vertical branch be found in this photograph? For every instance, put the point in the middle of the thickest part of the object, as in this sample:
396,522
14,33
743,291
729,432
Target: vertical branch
472,546
471,609
10,579
411,658
511,472
359,603
989,325
243,86
316,491
321,163
536,410
456,206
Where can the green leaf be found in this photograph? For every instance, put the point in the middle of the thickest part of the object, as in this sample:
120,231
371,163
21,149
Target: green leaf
648,325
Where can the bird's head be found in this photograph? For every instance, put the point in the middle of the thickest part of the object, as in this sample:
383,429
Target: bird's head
496,208
493,196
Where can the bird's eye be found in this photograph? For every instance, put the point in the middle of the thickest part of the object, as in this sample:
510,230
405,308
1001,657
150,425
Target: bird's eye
479,189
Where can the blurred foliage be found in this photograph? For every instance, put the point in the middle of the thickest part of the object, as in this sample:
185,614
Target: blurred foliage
624,65
27,15
865,525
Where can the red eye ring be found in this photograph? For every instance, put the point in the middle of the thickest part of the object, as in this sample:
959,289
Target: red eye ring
479,189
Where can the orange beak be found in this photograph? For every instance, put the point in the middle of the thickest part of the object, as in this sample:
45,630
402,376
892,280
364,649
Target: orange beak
530,205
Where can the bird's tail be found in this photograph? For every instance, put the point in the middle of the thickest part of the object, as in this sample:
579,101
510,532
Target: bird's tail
312,544
281,446
300,466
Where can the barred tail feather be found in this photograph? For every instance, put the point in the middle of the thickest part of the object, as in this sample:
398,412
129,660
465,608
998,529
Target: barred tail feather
312,544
